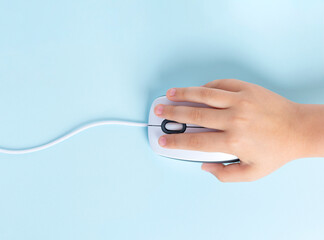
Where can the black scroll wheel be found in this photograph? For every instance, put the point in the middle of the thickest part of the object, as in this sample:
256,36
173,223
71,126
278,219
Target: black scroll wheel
170,127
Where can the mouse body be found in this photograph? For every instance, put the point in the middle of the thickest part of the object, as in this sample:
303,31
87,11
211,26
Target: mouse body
158,126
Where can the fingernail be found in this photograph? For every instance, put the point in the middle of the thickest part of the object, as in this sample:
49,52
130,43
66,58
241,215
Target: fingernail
159,110
172,92
162,141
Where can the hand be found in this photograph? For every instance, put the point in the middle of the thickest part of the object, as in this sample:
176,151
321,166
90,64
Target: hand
262,128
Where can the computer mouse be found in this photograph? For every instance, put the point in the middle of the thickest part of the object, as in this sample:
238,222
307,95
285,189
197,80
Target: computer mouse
158,126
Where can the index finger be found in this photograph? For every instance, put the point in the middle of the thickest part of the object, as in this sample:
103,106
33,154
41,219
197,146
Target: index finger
233,85
213,97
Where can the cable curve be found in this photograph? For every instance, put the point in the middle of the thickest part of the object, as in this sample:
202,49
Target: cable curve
69,135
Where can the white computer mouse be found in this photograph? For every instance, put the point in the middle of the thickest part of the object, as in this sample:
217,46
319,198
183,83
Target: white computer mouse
158,126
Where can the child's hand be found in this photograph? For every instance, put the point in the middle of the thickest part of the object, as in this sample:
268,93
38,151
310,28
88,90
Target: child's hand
262,128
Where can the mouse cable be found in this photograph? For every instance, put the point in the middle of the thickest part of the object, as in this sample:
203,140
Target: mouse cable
69,135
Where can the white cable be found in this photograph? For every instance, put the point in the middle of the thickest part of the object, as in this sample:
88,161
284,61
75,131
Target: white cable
68,135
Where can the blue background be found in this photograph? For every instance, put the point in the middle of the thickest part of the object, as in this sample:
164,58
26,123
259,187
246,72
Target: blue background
63,63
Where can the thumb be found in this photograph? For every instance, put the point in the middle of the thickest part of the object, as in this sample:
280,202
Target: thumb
236,172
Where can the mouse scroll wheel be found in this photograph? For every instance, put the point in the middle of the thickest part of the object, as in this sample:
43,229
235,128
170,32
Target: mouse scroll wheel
170,127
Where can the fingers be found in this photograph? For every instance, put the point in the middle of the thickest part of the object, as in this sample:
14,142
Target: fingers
205,142
213,97
237,172
205,117
233,85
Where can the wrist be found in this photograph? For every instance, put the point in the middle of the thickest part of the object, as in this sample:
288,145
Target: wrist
310,127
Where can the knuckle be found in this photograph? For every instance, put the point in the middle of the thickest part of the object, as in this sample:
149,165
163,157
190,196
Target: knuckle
195,115
169,111
237,120
194,142
183,92
205,94
244,103
233,142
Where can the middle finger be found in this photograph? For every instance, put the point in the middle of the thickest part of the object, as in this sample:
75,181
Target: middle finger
205,117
